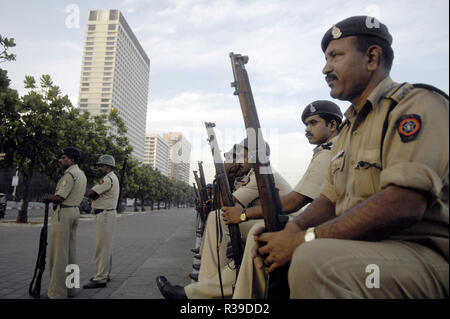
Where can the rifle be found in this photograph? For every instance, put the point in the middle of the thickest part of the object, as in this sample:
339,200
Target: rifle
227,197
34,289
277,286
203,197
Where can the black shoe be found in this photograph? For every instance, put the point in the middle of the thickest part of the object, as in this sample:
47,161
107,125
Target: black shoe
196,266
194,276
108,279
195,250
94,284
168,290
198,256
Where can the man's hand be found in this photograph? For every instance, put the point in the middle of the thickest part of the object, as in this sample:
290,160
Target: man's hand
47,198
278,247
232,214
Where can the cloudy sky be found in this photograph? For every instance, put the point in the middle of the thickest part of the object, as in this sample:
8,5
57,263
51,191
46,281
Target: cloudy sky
188,42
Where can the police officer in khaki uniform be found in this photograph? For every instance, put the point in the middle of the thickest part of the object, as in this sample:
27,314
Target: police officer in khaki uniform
104,197
210,283
64,221
380,227
322,120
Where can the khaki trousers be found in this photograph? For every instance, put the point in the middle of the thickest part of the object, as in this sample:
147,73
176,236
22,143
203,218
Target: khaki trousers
251,282
62,249
333,268
208,284
105,224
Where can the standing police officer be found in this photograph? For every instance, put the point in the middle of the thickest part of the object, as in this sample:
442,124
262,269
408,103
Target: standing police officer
104,196
64,221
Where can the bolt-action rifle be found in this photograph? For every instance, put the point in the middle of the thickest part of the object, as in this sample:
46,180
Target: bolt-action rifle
277,287
225,192
34,289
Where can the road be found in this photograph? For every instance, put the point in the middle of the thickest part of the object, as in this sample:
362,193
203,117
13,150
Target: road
146,244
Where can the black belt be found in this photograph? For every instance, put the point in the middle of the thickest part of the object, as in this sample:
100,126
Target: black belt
98,211
67,206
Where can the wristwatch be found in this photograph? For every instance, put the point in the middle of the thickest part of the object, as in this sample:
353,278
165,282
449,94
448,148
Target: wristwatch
244,215
310,234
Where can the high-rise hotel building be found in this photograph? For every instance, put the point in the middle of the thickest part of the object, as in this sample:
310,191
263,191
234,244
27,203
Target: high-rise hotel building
156,153
115,74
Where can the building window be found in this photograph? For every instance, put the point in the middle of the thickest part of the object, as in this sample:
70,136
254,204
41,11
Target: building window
108,58
106,84
108,68
103,111
112,27
91,27
106,79
88,53
109,53
90,39
110,38
85,79
108,63
83,105
87,63
92,15
109,48
106,89
83,100
104,105
110,43
107,73
113,14
84,89
103,100
88,58
84,84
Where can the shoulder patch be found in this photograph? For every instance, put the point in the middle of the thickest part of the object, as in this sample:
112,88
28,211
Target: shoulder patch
101,181
408,127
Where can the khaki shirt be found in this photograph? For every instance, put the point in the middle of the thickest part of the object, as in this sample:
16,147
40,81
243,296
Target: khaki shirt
248,194
108,189
72,186
314,177
420,163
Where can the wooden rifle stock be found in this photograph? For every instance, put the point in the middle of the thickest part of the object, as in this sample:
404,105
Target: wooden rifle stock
34,289
227,198
277,287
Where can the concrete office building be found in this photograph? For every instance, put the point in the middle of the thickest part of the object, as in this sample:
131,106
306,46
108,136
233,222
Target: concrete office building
156,153
115,74
180,155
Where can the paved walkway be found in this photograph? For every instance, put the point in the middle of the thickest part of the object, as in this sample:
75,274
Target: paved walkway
146,244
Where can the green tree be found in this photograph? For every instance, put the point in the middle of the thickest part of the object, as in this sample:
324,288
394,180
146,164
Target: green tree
6,43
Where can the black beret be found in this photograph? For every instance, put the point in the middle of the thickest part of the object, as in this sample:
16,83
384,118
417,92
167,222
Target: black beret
357,25
321,107
73,153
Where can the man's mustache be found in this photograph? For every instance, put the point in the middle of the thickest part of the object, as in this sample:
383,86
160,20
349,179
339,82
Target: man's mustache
309,134
330,77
